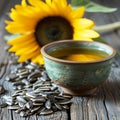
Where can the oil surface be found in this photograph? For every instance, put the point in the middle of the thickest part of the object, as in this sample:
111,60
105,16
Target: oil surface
79,55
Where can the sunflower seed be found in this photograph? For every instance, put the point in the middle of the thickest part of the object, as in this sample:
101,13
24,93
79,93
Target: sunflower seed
7,78
48,104
59,97
66,96
43,89
34,92
21,99
31,95
40,85
58,106
37,104
46,112
23,113
28,86
19,78
21,104
31,80
34,65
54,108
14,87
51,93
26,82
38,99
29,67
20,87
42,79
28,112
43,94
8,99
45,76
54,88
14,107
40,110
34,75
9,102
65,107
23,73
35,109
13,76
29,104
23,70
18,92
19,110
18,83
64,102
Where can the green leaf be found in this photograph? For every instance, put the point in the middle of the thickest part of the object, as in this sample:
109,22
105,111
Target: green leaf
79,2
117,53
92,7
99,39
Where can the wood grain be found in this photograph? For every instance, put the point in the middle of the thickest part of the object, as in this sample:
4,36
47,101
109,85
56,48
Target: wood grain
105,105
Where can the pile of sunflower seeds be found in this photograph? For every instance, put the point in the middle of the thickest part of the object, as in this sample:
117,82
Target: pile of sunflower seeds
33,92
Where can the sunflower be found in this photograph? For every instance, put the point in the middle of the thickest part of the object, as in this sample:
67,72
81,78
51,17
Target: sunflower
39,23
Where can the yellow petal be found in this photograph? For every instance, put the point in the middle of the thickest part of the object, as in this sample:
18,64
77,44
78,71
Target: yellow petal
38,59
89,33
28,56
12,49
17,17
27,50
78,13
77,37
60,4
63,3
86,34
49,2
22,38
42,6
54,8
20,46
14,27
26,42
28,11
23,3
83,23
36,2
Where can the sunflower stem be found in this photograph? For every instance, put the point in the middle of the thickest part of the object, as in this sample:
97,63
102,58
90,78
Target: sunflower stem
107,27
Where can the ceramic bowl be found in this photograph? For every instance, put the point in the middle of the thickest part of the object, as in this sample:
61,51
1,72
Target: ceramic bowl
77,78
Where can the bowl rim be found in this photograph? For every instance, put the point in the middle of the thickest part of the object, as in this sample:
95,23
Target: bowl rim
44,54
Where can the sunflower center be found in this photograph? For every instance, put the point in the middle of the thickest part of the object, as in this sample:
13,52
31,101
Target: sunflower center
53,33
52,29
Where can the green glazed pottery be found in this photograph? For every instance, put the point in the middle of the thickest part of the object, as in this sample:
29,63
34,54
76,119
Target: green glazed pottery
77,78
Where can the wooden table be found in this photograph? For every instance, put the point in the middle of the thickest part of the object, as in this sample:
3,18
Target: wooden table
105,105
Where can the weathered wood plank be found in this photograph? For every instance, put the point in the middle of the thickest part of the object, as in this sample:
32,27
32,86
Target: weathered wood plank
5,114
112,95
105,105
89,108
